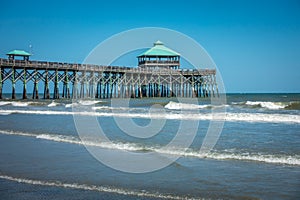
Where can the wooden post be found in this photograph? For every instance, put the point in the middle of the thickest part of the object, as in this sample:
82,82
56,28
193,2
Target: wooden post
181,86
46,87
1,82
119,85
193,87
24,84
97,91
140,87
101,88
13,84
81,94
159,89
75,85
110,85
56,86
35,94
86,84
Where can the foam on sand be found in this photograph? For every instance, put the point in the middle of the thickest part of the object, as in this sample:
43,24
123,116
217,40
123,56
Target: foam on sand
96,188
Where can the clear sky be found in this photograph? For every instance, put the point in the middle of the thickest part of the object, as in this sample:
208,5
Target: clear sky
255,44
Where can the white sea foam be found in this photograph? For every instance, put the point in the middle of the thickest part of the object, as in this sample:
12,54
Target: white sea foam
52,104
256,157
69,105
101,107
96,188
230,117
3,103
224,155
88,102
20,104
5,113
183,106
267,104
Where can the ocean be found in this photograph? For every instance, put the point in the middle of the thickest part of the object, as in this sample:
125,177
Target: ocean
256,156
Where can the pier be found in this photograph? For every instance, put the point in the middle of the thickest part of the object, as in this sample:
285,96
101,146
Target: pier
156,76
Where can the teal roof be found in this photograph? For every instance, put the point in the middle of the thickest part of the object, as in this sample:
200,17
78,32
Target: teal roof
159,49
18,53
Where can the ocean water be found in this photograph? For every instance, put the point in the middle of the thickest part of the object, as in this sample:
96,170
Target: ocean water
257,155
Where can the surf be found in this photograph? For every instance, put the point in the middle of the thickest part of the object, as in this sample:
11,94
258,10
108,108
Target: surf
269,105
229,116
135,147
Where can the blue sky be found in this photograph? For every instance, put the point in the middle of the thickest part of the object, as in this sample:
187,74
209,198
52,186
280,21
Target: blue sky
255,44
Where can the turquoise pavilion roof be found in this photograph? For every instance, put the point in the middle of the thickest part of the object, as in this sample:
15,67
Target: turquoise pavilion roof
159,49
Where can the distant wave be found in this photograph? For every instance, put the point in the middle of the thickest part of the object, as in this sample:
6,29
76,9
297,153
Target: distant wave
230,117
53,104
256,157
96,188
20,104
184,106
3,103
266,104
217,155
292,105
88,102
69,105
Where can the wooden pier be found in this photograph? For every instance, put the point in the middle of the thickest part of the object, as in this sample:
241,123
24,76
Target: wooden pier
94,81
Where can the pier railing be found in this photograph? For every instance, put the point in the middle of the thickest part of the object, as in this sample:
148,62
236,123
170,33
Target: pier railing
60,66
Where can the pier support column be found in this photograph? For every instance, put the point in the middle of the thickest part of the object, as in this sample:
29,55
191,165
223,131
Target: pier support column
140,94
110,86
181,86
46,87
13,95
56,86
1,82
97,91
119,86
66,89
81,93
193,87
158,90
24,84
35,93
75,85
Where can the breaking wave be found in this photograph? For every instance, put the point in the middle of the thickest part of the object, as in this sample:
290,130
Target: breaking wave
266,104
3,103
96,188
184,106
53,104
20,104
217,155
230,117
88,102
292,105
